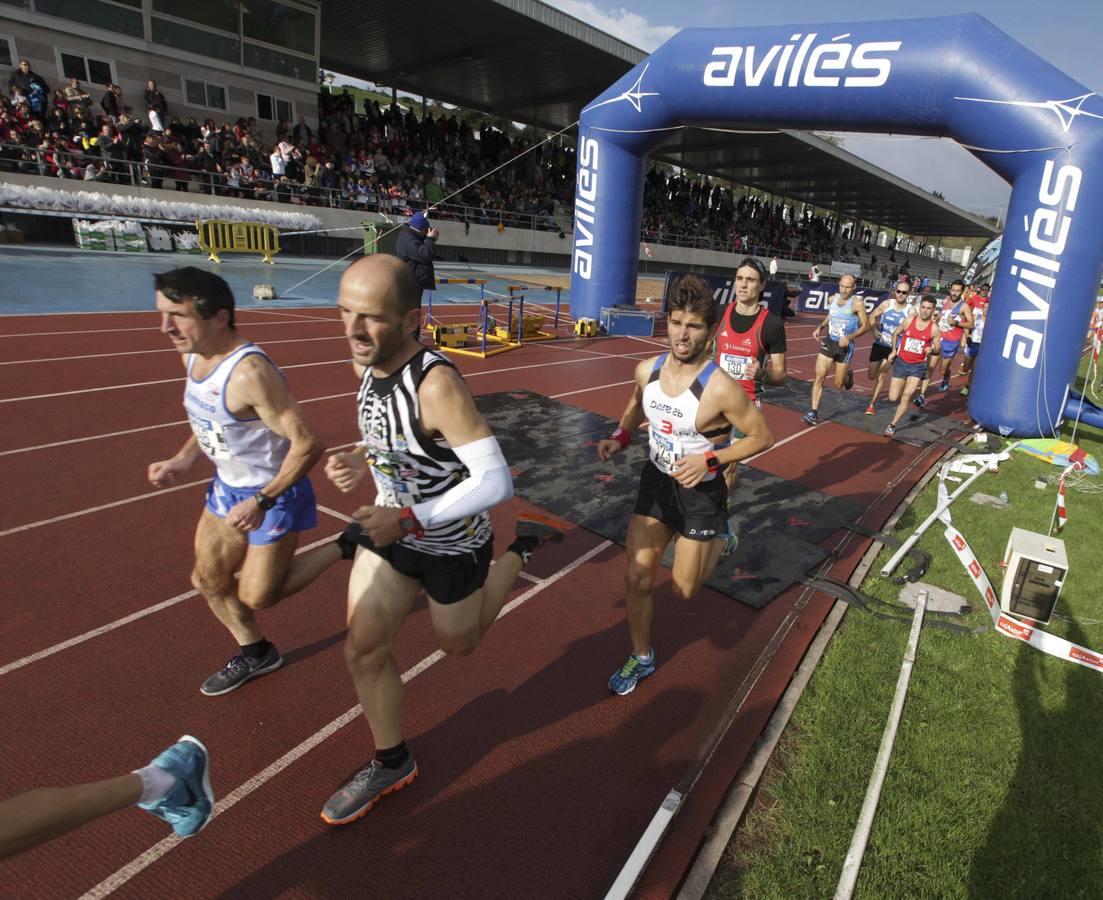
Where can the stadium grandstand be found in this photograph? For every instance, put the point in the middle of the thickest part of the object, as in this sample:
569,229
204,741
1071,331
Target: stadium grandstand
118,108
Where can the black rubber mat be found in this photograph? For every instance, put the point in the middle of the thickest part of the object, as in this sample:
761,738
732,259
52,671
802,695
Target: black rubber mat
918,427
551,448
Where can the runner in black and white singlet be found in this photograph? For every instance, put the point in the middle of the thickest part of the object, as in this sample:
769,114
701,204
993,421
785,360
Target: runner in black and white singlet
437,469
690,406
246,422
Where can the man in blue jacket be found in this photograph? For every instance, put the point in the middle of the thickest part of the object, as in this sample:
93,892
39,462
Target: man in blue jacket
416,246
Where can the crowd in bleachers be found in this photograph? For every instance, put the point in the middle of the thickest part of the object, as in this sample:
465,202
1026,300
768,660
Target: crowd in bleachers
388,160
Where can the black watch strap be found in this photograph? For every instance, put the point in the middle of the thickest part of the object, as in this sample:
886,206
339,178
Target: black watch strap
264,502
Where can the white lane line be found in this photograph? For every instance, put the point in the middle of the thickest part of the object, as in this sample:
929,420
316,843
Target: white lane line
93,509
125,620
596,387
328,362
780,443
46,359
114,503
111,434
154,853
149,610
251,322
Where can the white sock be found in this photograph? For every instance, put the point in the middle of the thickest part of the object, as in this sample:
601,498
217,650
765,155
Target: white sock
156,783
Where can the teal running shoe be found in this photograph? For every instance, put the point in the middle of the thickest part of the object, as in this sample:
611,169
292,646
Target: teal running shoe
626,678
188,805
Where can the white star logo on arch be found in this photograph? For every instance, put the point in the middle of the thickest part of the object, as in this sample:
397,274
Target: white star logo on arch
633,95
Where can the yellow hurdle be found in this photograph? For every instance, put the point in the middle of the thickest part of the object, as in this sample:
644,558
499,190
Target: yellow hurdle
217,236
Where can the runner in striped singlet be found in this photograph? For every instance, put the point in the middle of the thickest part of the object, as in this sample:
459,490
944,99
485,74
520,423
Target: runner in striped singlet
437,470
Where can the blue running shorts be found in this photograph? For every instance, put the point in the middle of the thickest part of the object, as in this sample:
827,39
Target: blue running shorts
295,509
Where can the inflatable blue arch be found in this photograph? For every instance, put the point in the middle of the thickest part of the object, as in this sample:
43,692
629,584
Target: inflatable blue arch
957,77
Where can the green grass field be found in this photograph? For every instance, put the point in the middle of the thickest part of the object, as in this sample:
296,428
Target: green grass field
994,780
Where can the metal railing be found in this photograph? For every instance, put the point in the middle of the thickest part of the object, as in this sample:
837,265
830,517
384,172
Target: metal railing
137,174
66,164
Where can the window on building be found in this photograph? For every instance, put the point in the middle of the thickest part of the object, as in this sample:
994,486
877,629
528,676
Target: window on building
87,69
201,93
195,40
274,109
8,58
121,17
220,14
282,24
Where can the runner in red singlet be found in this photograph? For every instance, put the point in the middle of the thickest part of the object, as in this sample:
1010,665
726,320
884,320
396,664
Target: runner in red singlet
913,343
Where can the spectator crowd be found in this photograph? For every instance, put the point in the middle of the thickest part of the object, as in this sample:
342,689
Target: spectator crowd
386,160
382,160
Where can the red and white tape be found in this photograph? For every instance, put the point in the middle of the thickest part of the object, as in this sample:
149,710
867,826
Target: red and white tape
1009,626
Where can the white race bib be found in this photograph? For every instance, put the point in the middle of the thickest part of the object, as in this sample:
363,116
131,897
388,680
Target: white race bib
978,329
834,329
736,366
914,345
211,438
665,451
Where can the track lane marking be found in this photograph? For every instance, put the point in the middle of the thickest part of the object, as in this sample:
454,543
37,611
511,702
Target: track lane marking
154,853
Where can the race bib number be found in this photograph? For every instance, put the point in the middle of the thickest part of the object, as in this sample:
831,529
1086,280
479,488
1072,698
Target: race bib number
978,330
393,489
914,345
736,366
946,322
835,330
665,451
211,438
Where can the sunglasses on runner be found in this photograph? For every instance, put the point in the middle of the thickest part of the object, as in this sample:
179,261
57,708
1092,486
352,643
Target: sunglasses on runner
903,292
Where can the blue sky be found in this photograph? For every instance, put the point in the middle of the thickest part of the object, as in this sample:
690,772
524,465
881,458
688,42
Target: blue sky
1067,33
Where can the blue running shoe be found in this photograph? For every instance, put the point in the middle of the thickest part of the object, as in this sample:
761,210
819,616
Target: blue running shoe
187,806
811,418
731,541
626,678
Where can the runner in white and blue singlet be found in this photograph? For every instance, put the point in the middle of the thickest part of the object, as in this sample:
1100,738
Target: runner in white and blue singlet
846,320
245,421
691,406
885,319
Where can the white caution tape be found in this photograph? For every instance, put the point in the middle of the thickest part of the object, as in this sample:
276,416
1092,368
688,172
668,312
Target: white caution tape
1008,625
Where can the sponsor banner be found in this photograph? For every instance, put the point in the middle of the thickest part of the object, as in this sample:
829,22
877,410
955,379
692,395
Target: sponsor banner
844,268
723,287
816,295
1008,625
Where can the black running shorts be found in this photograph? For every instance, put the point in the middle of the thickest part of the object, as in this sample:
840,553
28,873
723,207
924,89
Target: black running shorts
696,513
879,352
446,579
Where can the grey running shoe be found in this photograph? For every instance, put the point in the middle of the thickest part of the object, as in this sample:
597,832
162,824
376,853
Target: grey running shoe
811,418
890,430
239,670
361,792
546,530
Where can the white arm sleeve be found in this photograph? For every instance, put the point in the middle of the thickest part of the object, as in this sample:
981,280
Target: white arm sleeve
488,484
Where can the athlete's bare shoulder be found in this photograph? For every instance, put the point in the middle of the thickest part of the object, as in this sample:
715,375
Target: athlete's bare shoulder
644,368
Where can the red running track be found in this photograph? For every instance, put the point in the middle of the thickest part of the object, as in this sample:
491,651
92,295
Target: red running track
535,781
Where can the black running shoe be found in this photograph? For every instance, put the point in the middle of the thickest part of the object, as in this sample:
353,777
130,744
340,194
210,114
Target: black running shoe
240,669
849,383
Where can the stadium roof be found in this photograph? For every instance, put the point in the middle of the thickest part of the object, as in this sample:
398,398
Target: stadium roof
525,61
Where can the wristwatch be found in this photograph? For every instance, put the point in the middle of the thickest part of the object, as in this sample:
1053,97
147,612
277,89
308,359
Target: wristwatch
711,461
264,502
409,523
